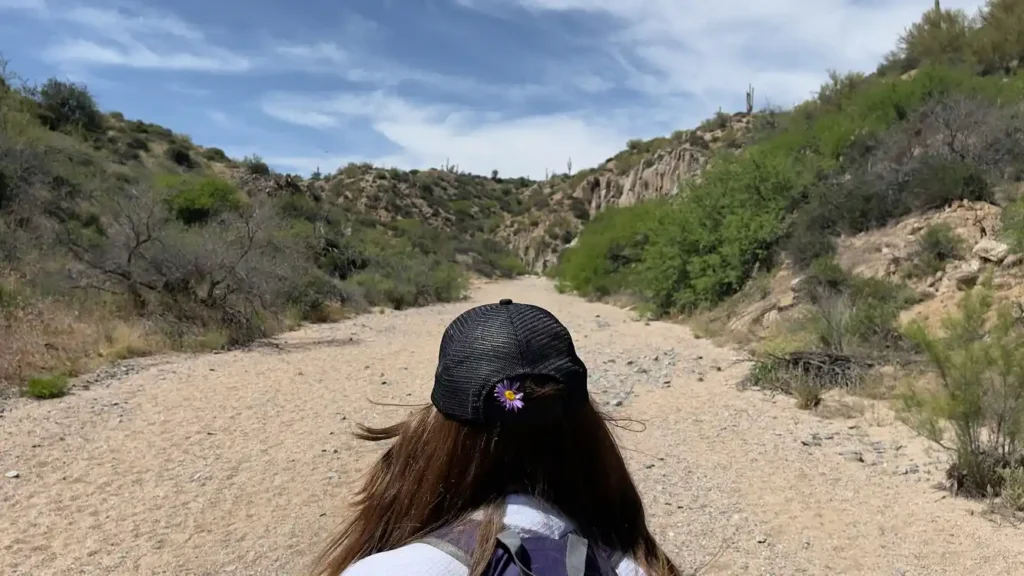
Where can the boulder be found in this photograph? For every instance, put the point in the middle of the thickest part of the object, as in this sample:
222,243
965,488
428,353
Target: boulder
991,250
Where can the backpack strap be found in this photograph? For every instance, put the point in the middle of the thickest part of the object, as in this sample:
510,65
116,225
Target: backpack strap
576,555
616,558
446,547
511,541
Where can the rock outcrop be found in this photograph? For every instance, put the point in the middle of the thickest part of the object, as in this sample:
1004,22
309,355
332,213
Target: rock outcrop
633,176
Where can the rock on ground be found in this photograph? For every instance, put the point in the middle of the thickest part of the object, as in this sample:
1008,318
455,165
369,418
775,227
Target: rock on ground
242,462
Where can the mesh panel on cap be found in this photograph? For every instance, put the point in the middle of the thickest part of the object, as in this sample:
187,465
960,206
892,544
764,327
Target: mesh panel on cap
489,343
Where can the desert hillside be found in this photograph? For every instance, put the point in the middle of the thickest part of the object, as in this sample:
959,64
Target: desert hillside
868,240
860,254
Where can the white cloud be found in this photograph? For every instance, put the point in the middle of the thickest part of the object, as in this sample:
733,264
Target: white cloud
37,5
687,57
715,48
428,135
219,117
119,25
142,39
139,56
321,51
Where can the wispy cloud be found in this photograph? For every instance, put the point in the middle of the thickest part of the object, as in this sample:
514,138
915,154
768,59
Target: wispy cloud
136,55
425,135
513,85
140,39
219,117
37,5
715,48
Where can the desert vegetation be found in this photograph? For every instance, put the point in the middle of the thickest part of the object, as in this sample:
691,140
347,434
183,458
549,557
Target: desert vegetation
120,238
940,123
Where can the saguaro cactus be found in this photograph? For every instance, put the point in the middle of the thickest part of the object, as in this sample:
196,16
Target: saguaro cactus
750,98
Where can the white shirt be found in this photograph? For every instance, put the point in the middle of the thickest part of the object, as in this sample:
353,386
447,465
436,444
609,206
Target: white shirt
523,512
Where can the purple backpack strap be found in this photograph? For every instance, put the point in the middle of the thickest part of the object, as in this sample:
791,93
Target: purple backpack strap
525,553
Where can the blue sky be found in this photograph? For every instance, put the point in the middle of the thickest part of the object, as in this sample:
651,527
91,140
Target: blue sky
514,85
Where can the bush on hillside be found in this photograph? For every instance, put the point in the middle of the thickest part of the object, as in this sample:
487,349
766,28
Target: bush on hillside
229,272
1013,225
255,165
709,240
198,200
940,38
976,410
214,154
936,246
604,260
853,314
840,166
68,106
180,156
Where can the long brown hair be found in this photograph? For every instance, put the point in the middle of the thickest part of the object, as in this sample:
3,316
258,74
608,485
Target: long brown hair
439,471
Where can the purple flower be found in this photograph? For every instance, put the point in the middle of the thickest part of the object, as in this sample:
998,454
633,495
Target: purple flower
509,395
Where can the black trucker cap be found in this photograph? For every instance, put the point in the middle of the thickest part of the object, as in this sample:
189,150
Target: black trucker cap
498,344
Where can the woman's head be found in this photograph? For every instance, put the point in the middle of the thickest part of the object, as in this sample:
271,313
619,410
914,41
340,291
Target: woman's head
510,415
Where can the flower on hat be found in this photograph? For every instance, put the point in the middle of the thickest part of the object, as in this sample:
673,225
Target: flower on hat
509,395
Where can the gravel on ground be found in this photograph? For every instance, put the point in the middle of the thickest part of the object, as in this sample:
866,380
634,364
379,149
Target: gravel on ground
242,462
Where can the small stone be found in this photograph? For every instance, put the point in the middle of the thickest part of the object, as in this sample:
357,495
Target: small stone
383,382
332,476
812,441
852,455
12,474
617,402
912,469
648,466
762,539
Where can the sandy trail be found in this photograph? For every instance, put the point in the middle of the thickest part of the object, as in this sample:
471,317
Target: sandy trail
241,462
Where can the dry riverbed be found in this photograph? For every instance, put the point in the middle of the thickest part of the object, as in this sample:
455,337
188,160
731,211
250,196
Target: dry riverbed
241,463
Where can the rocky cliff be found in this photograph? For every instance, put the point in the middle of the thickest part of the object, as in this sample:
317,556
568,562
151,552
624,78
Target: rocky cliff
644,171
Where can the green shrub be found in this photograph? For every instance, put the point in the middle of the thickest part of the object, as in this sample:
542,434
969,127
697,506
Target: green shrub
69,106
136,142
409,280
941,37
604,258
198,200
47,387
579,209
852,313
1013,225
720,121
979,400
936,246
313,294
255,165
708,241
215,155
180,156
775,374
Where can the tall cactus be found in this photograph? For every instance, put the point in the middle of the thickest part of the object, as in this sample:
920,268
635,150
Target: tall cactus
750,98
